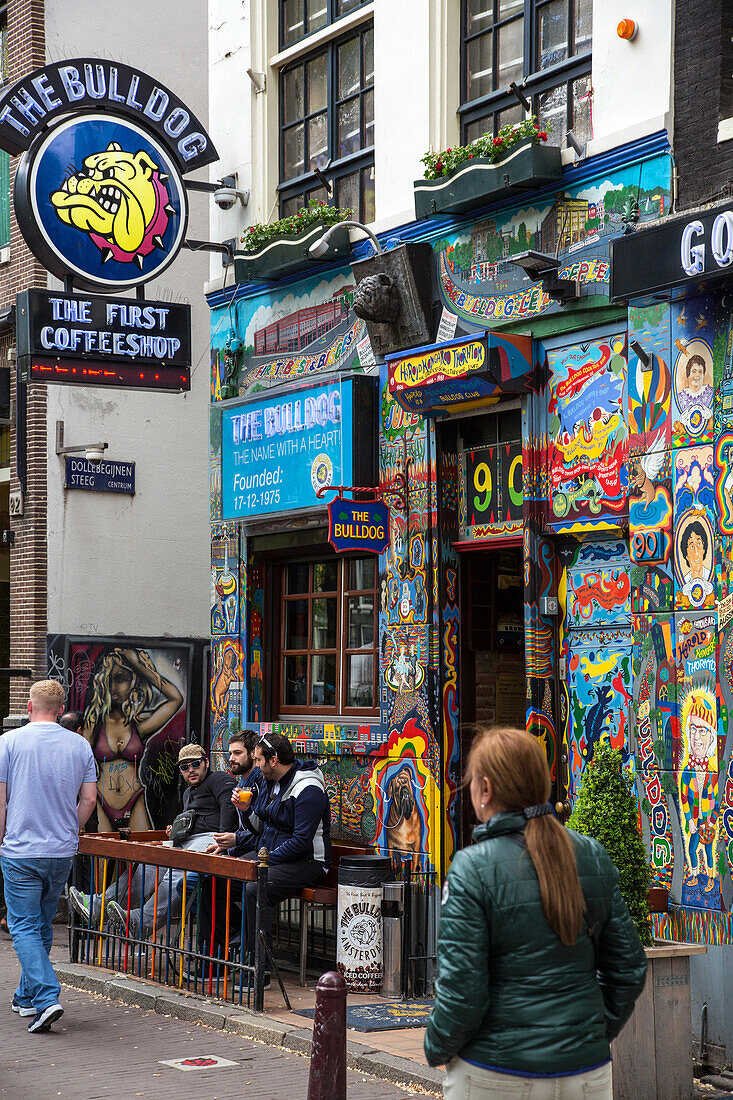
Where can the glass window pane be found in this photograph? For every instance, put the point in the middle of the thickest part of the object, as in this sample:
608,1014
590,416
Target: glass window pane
509,116
324,624
367,195
509,7
324,576
478,127
480,14
296,576
295,681
361,622
510,61
510,425
317,87
317,14
581,124
552,112
317,140
294,161
343,7
347,192
367,46
290,206
296,624
478,75
361,573
348,136
323,680
292,91
348,67
367,120
552,33
583,29
360,680
293,26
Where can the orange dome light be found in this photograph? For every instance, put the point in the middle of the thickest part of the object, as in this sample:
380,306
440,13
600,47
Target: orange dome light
627,29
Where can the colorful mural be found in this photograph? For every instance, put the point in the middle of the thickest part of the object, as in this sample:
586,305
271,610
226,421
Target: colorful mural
588,435
135,698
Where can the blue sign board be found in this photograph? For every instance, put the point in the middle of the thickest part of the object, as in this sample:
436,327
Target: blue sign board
277,452
355,525
100,477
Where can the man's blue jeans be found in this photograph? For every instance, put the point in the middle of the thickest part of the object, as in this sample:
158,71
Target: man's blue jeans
32,891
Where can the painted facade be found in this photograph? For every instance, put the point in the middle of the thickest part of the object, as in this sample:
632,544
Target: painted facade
621,510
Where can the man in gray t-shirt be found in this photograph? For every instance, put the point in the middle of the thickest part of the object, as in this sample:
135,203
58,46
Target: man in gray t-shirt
48,789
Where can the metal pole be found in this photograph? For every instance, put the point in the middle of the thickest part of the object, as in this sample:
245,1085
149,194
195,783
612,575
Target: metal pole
261,910
327,1079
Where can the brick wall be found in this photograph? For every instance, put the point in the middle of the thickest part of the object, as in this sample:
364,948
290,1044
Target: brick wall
702,52
28,576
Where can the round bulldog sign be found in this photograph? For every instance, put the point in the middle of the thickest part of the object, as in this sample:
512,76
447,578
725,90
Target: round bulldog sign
101,199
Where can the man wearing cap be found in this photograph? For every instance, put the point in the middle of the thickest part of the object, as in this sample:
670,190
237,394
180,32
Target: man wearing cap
209,795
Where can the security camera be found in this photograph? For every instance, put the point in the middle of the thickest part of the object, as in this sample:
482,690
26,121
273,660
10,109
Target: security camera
226,197
95,453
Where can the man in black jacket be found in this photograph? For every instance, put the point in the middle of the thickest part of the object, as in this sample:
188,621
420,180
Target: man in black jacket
209,795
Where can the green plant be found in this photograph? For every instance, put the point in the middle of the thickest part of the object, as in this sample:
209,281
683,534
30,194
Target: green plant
487,147
607,810
314,212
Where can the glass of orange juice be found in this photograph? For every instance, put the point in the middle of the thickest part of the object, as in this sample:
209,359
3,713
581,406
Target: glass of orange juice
244,797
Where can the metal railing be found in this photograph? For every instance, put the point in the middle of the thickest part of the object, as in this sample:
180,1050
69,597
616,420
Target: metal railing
164,923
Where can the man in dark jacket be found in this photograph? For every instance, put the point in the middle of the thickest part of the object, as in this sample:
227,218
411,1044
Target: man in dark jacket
209,795
291,818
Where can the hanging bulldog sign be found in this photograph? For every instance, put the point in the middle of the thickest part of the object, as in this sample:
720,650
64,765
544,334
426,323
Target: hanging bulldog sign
99,192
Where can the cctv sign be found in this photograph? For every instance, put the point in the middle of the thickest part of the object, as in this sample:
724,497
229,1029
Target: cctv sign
673,252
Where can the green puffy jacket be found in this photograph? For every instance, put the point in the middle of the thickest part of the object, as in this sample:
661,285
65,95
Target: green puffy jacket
510,995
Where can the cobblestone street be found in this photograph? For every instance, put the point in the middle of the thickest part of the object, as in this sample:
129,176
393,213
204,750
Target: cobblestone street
101,1048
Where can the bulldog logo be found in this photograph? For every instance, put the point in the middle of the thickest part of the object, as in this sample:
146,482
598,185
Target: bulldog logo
120,200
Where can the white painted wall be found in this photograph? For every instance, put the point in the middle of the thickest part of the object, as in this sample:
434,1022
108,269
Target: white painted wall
632,81
138,565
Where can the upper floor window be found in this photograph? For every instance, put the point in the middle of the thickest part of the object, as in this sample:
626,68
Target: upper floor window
327,111
4,158
544,45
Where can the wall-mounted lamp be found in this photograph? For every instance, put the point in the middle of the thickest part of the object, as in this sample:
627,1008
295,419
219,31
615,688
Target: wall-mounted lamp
627,29
319,248
542,267
520,96
259,81
93,452
326,182
642,355
578,146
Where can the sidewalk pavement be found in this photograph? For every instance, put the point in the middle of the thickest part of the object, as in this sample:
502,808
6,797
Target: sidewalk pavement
101,1048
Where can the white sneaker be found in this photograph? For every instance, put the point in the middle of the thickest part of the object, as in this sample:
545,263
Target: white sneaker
44,1019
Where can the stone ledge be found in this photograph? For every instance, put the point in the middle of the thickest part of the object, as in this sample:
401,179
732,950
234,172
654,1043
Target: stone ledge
400,1071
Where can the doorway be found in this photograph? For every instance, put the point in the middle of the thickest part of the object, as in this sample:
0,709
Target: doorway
493,688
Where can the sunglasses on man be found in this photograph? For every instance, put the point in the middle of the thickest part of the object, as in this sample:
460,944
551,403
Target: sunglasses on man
191,764
263,741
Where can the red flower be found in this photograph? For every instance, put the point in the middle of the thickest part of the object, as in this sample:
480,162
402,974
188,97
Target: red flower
470,156
448,150
497,141
542,135
438,165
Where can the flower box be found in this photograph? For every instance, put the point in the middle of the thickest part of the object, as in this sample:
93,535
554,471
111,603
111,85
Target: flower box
480,181
288,255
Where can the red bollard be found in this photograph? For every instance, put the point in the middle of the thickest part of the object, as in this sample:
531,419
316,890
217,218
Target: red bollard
327,1079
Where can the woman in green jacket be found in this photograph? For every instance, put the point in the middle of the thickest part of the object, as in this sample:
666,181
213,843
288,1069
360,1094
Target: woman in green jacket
539,963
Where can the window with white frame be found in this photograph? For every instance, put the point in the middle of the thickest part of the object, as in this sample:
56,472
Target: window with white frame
327,109
543,46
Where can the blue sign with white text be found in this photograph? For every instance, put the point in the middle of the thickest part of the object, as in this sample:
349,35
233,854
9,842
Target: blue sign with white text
355,525
100,477
276,453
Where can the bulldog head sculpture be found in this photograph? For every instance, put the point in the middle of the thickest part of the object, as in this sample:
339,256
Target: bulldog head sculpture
376,298
120,200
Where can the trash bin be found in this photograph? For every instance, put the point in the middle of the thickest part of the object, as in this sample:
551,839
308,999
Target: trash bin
393,903
359,928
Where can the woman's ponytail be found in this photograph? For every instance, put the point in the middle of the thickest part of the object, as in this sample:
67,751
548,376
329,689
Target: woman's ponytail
514,763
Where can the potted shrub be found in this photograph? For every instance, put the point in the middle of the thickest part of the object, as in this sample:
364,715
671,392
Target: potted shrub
486,170
281,248
652,1057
